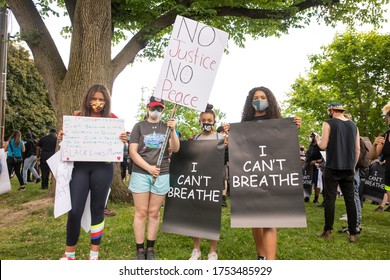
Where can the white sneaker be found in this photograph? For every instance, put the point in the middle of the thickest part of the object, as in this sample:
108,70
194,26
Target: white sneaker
196,254
212,256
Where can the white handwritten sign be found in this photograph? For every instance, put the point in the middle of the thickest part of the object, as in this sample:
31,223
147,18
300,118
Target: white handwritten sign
5,184
92,139
191,62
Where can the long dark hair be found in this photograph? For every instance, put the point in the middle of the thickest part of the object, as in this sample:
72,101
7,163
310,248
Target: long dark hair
16,135
85,107
272,112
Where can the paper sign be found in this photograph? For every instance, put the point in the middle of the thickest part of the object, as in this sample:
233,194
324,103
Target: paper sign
265,175
5,184
62,172
191,62
193,203
92,139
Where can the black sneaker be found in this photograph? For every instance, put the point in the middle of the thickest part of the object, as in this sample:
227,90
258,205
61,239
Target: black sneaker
37,180
140,255
22,188
150,254
307,199
387,209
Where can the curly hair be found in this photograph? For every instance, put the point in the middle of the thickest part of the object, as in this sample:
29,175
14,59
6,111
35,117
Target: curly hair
86,109
272,112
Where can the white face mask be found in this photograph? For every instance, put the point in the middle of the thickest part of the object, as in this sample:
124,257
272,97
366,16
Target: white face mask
154,115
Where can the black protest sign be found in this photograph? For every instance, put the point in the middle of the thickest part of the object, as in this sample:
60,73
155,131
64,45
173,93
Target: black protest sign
307,172
265,175
374,183
193,203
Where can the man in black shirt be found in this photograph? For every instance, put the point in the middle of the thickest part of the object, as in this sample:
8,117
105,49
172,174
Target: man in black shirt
46,147
340,139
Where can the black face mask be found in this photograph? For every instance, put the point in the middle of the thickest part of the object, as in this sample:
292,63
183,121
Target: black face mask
301,149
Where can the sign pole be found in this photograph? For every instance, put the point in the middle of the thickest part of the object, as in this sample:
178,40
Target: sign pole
164,144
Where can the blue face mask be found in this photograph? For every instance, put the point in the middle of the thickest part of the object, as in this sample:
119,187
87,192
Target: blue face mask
127,138
260,105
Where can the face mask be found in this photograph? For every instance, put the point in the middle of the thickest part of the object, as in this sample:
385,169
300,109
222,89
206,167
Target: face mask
207,127
260,105
127,138
302,149
155,115
97,106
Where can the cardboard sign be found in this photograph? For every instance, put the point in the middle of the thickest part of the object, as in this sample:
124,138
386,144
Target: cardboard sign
191,62
193,203
5,184
92,139
265,175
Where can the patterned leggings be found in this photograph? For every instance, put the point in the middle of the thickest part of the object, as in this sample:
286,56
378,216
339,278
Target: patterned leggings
88,176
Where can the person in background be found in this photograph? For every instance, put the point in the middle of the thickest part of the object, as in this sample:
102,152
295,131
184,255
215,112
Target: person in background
221,130
381,147
261,104
341,140
46,147
314,157
30,160
147,138
93,177
14,148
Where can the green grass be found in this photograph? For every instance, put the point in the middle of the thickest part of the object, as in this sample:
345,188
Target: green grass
32,232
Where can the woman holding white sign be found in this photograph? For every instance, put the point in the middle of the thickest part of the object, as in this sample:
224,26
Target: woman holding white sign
146,140
261,104
93,177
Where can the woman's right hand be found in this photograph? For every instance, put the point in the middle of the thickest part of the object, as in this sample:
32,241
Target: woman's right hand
154,170
60,135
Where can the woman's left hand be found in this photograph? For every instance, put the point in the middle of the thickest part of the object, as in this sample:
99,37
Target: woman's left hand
123,137
297,121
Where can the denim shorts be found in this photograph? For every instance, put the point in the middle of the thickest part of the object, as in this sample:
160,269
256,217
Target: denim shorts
140,183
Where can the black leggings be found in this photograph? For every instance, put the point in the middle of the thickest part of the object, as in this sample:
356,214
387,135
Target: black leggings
15,166
88,176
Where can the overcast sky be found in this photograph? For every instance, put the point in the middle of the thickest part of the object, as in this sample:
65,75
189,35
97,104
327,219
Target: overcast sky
271,62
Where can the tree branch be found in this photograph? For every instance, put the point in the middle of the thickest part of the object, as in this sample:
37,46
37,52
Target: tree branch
269,14
70,7
138,41
46,56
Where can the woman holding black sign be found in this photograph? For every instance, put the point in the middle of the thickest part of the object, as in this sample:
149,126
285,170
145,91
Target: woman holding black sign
15,147
146,140
207,124
93,177
381,147
261,104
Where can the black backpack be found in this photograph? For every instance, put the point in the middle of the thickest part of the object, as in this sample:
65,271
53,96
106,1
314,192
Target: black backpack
365,146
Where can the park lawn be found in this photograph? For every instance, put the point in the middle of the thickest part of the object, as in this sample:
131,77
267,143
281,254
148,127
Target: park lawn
29,231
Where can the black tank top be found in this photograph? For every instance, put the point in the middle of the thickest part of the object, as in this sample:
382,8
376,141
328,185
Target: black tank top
341,150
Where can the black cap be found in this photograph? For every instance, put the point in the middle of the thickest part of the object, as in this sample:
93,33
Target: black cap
53,130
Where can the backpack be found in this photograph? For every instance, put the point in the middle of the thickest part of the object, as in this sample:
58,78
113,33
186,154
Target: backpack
365,146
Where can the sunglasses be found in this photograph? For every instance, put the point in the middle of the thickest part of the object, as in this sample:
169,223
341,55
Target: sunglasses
160,109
